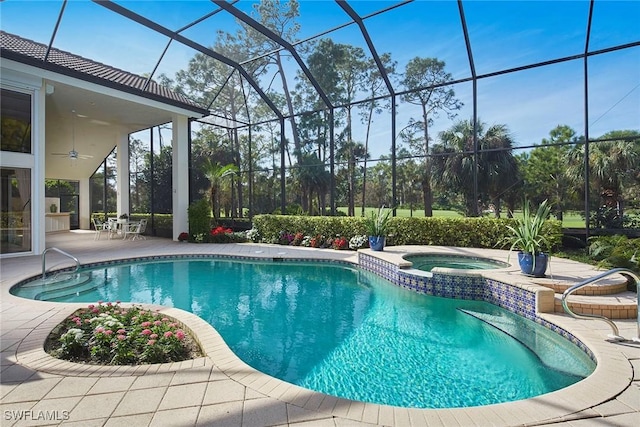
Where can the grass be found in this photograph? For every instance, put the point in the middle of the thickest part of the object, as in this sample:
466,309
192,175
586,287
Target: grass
570,219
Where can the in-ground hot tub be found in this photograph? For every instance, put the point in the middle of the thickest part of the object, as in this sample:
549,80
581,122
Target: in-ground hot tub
426,262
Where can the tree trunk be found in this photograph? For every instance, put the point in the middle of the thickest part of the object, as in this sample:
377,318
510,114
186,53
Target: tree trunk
238,164
214,205
427,195
292,120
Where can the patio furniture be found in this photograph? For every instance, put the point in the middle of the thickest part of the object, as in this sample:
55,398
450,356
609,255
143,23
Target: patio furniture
113,227
100,227
134,230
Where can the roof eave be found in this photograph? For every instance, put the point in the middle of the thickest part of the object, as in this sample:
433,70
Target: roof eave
34,62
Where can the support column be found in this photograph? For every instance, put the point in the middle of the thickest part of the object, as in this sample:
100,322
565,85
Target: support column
180,174
122,178
38,208
85,204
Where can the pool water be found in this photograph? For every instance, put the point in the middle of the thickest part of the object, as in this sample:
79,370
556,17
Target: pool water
426,262
346,332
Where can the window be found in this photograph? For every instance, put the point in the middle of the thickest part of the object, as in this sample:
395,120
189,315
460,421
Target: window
15,210
16,122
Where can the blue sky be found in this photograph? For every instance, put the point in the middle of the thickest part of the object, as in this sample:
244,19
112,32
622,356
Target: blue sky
503,35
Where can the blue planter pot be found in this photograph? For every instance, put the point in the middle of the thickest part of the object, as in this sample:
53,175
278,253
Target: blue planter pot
531,268
376,243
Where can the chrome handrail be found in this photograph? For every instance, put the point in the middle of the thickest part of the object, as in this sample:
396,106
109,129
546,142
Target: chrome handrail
44,258
614,327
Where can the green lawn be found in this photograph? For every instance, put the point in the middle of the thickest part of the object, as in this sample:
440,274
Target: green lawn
571,219
405,212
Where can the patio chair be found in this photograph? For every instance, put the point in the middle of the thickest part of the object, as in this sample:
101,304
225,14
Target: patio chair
143,228
100,227
133,230
113,227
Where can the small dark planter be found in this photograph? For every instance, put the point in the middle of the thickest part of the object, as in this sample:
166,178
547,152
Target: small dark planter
376,243
528,267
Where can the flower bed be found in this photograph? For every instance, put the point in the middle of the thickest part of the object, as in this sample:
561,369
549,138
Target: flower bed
109,334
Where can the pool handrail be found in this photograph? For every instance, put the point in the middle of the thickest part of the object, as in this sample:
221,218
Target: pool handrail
44,257
616,333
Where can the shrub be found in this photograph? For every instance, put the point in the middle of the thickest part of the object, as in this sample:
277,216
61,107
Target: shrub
199,218
615,251
110,334
479,232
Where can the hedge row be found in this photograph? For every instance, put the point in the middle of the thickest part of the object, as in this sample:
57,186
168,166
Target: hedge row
463,232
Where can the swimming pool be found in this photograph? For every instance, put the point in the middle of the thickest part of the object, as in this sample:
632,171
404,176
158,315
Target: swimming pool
346,332
426,262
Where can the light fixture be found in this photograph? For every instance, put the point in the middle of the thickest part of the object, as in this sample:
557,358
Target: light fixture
73,154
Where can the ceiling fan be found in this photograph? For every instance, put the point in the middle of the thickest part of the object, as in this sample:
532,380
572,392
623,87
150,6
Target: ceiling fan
73,154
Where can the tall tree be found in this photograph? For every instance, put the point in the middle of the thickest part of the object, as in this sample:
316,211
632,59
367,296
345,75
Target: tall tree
544,170
352,73
216,174
315,127
426,80
280,17
374,86
453,165
612,158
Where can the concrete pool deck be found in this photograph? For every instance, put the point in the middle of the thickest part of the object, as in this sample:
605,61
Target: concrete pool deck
219,389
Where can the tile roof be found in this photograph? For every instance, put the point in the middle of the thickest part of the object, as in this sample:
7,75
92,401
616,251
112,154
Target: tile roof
33,53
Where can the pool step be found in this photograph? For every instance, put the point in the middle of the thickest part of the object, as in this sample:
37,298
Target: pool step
623,305
61,281
49,293
531,335
609,286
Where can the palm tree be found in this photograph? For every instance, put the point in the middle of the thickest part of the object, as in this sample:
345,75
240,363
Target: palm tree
609,162
216,173
453,164
312,177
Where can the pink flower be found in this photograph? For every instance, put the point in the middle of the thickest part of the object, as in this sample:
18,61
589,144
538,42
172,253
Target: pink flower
109,304
118,302
121,337
122,331
145,324
95,310
100,302
173,325
134,318
91,306
78,322
108,332
151,342
165,319
153,336
146,332
157,323
76,319
168,334
99,330
180,334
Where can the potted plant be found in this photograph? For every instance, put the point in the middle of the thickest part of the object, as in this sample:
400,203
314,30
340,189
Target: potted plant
377,227
527,237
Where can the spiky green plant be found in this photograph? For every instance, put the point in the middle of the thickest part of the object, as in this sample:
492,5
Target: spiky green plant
377,223
527,234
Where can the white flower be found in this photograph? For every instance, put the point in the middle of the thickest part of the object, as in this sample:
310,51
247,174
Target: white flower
357,242
75,333
253,235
